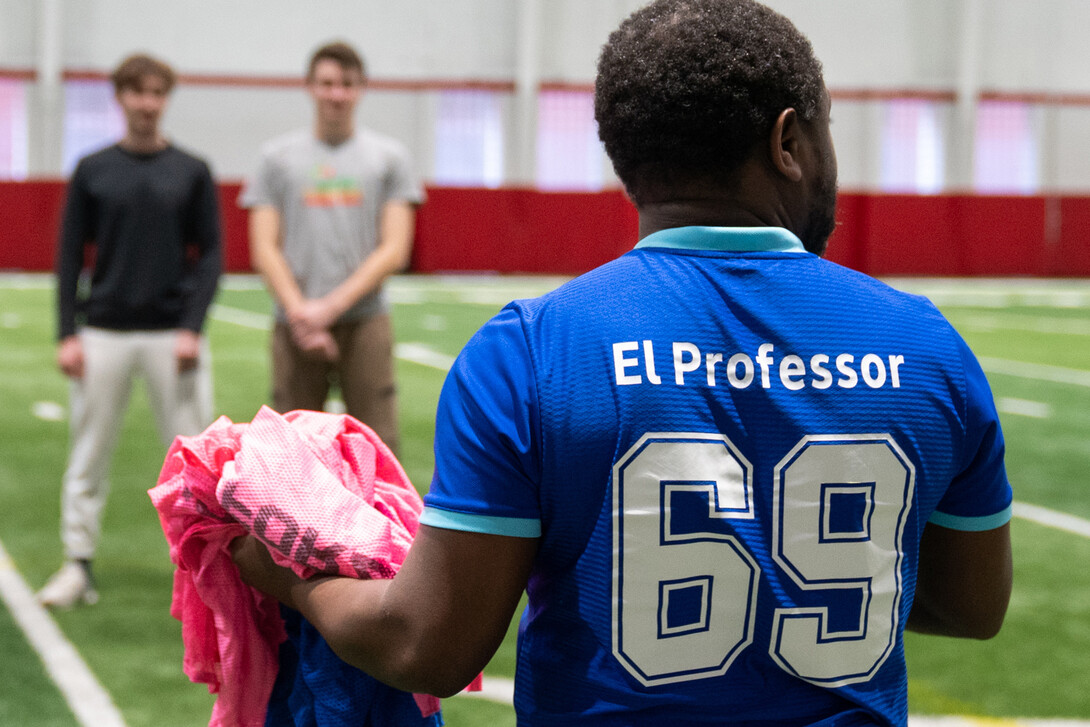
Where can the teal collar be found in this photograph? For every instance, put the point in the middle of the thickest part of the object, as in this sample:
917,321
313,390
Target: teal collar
725,239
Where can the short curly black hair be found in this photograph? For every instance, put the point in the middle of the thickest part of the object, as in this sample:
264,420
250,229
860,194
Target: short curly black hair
686,88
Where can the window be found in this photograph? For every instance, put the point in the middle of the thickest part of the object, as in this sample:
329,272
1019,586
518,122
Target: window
1005,158
469,139
13,129
912,149
92,120
569,155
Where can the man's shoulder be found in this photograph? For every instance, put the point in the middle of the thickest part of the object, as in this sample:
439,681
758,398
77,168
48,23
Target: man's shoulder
367,138
288,142
868,287
100,157
187,158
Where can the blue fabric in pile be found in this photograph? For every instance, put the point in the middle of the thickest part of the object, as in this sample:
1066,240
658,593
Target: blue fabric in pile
314,688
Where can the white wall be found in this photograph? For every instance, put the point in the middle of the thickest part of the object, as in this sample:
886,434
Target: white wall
407,38
1023,45
17,31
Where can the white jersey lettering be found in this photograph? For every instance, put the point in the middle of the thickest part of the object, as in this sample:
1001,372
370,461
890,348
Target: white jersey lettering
790,371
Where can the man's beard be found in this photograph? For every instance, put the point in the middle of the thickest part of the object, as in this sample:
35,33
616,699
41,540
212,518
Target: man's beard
822,219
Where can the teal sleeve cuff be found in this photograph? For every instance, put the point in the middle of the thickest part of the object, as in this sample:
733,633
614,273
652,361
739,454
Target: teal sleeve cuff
972,524
511,526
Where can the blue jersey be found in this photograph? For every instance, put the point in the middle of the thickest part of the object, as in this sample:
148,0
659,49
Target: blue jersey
729,449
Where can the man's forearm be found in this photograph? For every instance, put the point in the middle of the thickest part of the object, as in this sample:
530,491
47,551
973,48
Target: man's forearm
392,255
366,279
355,621
361,623
267,259
69,259
432,628
205,274
279,279
204,282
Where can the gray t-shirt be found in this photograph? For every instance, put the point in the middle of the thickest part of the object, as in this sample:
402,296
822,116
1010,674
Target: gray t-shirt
330,199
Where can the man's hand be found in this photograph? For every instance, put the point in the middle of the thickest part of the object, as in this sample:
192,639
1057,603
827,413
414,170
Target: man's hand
70,357
311,316
320,345
257,569
309,322
187,350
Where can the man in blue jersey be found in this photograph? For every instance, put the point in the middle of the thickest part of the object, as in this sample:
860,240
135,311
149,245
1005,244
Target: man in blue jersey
728,473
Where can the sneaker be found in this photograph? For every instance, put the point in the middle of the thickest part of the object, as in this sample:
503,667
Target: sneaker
70,586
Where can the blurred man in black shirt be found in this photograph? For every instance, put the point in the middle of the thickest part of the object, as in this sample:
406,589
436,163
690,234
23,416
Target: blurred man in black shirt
150,212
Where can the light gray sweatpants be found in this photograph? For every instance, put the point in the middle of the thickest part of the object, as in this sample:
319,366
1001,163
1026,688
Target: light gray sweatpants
181,402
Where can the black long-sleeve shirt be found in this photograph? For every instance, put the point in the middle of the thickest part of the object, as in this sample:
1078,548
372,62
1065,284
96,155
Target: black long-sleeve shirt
153,221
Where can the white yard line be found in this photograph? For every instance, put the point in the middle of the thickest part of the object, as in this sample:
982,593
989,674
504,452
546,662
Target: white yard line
89,702
1035,372
493,290
999,292
494,689
1023,407
1033,324
418,353
502,691
423,355
1053,518
240,317
932,721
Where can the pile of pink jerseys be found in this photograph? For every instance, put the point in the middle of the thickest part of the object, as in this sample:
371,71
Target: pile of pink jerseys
324,494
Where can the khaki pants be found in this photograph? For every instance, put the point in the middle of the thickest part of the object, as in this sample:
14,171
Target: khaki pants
181,402
364,373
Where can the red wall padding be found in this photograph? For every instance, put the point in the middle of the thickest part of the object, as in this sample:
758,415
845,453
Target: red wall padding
29,220
958,235
1069,254
236,254
526,231
518,230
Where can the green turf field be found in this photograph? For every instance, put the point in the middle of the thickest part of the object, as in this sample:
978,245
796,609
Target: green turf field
1033,338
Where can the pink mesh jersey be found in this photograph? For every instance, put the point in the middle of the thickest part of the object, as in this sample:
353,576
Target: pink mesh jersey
324,494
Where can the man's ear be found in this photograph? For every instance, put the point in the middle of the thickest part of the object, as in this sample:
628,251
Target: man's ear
784,145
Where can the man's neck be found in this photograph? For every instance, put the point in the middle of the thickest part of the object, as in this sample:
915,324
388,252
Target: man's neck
143,144
334,134
704,213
